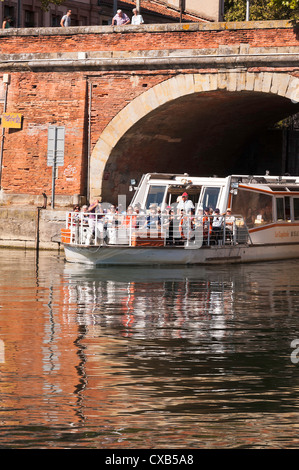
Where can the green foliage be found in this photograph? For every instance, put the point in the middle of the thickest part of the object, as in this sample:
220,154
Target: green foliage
46,3
235,10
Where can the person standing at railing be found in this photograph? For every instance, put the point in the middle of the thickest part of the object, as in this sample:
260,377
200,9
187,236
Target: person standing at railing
66,19
111,222
217,227
6,23
93,209
136,18
73,223
185,204
230,224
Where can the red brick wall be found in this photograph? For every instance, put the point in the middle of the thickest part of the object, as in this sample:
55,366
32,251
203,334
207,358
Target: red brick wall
44,99
151,40
61,98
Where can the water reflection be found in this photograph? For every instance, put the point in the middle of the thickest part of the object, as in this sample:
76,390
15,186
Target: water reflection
126,357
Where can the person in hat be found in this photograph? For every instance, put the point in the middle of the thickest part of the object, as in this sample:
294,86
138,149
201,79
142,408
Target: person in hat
185,204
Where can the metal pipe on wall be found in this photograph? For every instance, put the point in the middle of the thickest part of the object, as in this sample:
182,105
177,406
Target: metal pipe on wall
19,12
89,140
6,81
247,10
181,9
114,7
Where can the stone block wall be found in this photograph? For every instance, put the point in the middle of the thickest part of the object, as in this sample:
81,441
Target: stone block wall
20,227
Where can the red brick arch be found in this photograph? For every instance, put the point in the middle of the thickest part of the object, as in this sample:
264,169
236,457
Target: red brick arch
281,84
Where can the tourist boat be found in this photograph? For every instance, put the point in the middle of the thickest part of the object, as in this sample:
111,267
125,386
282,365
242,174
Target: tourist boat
264,225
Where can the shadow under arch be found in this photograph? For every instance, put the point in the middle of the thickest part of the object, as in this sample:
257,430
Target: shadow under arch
182,90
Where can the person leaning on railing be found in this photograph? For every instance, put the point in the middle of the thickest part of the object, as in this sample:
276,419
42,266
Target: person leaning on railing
120,19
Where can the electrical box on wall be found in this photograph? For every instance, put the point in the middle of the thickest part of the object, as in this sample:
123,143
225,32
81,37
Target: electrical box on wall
6,78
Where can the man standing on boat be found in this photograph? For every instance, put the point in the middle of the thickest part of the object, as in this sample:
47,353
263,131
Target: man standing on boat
184,208
185,204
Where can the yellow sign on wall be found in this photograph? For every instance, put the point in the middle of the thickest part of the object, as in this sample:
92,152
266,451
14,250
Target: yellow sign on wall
12,120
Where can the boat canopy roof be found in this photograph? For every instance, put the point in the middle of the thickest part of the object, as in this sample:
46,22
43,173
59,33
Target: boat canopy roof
272,183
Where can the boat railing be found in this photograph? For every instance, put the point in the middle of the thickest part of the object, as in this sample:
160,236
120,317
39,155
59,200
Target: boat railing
154,230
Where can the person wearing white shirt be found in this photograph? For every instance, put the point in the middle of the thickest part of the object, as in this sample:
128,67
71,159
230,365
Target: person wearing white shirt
230,224
136,18
66,19
217,225
185,204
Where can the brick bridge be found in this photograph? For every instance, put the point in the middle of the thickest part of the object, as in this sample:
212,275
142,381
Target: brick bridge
196,98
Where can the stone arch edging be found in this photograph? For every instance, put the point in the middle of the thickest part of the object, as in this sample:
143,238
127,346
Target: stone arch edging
282,84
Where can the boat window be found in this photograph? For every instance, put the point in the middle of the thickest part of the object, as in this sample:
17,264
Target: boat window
278,188
255,207
283,208
296,208
280,208
287,207
155,195
175,192
210,197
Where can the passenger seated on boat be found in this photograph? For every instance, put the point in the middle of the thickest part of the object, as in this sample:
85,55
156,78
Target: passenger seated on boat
84,210
130,218
141,220
249,218
76,208
153,220
217,227
73,217
260,218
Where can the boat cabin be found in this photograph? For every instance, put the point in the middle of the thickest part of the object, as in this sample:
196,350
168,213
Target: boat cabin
259,199
164,190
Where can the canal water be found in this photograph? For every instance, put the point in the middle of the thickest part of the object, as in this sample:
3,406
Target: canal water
131,358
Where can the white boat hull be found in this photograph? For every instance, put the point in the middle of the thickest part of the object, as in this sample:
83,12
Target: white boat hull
146,256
